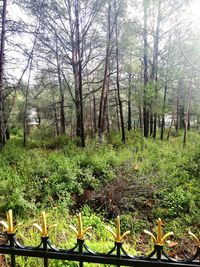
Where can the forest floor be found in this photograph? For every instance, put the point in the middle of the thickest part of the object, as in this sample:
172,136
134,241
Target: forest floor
140,181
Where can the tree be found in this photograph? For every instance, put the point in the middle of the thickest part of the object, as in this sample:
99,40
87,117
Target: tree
117,70
101,72
2,60
105,83
145,101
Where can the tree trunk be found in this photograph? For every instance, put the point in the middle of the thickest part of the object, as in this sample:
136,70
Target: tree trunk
90,123
129,103
141,125
170,127
117,112
77,70
182,117
62,98
25,121
159,122
155,125
107,119
187,113
7,133
188,117
177,105
2,48
117,78
26,130
155,65
198,121
38,117
151,122
163,112
55,115
104,92
94,112
145,63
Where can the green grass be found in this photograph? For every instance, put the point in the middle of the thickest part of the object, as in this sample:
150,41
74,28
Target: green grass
47,174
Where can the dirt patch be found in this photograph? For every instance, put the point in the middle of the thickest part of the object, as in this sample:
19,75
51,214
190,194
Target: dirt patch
2,261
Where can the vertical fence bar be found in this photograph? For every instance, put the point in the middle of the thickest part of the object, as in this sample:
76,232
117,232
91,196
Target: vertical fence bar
44,241
12,245
80,249
159,252
119,245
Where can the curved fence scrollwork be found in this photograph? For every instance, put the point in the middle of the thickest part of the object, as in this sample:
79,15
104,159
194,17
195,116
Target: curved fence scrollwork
118,256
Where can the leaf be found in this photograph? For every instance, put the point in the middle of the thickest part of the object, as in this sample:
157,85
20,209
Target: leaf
171,244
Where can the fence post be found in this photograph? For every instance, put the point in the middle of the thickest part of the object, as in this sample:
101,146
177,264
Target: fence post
12,245
45,244
159,251
119,245
80,250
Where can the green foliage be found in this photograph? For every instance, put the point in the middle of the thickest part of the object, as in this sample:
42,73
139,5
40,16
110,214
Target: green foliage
44,176
41,133
177,202
42,137
173,171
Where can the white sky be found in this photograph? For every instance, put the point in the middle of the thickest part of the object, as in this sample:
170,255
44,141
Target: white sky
19,62
192,13
195,10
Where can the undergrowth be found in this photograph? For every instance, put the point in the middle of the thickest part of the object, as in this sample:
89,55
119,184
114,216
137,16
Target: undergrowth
50,174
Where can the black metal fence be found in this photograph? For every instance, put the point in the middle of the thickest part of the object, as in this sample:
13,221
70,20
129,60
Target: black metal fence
81,253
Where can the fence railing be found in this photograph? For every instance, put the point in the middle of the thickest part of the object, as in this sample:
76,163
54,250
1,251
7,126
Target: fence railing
81,253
